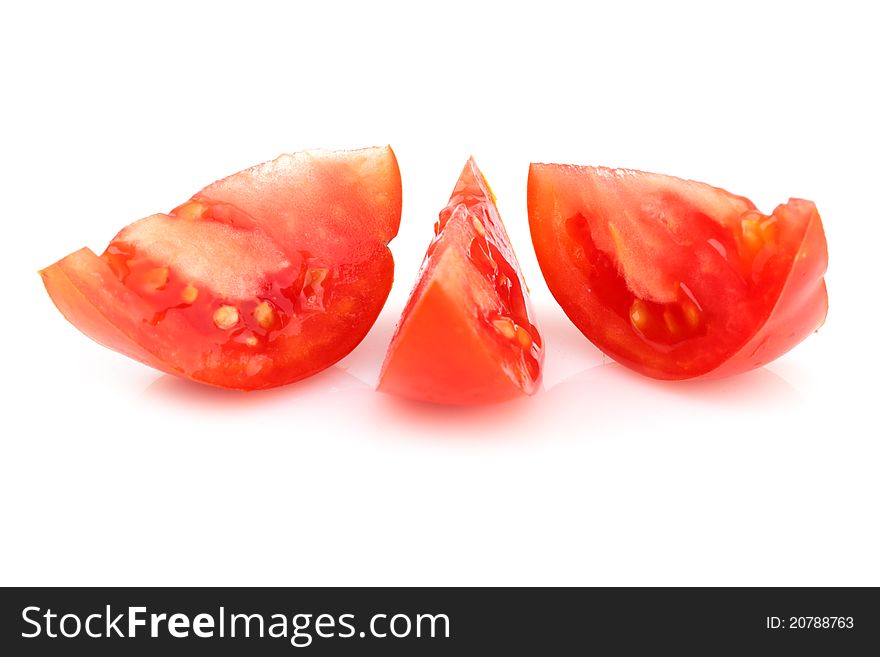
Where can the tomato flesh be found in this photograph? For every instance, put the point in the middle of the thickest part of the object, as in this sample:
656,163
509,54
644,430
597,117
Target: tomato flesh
468,333
247,285
674,278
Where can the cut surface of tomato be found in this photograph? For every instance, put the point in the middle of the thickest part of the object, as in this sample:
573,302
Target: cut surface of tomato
261,279
468,333
675,278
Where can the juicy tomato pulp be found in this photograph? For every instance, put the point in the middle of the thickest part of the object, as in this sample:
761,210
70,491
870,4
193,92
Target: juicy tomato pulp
261,279
674,278
468,333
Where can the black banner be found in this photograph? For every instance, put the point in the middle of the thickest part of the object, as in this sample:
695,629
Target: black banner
445,621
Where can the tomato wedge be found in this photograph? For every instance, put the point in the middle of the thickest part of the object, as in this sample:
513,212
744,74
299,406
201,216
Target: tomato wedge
468,333
261,279
675,278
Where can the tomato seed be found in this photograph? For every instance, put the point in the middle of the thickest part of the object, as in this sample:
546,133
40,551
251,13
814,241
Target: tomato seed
151,280
264,314
225,317
478,226
505,327
190,211
671,322
523,337
638,314
691,314
189,294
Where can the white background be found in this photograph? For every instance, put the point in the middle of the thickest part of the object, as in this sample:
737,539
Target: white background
114,474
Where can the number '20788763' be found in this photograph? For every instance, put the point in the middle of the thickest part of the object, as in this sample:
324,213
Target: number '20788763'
810,623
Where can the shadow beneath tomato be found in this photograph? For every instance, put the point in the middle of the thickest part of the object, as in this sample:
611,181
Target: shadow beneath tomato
334,382
611,400
756,388
417,419
567,351
522,418
598,403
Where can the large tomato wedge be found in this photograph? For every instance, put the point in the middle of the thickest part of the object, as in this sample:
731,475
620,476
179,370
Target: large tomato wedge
467,334
675,278
262,278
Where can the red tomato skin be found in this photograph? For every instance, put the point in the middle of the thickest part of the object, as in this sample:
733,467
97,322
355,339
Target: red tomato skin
795,304
801,308
92,296
444,350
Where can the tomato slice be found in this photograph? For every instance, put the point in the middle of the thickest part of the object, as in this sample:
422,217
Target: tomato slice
675,278
468,333
261,279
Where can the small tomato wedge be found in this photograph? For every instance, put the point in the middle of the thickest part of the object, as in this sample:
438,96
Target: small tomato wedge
261,279
675,278
467,334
